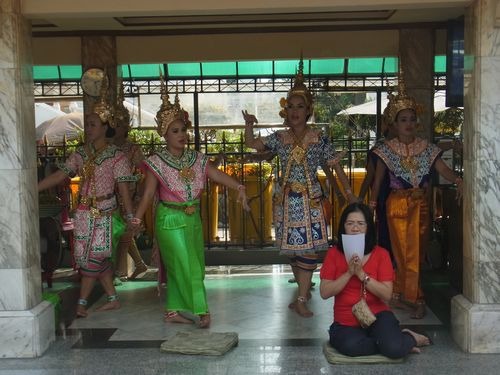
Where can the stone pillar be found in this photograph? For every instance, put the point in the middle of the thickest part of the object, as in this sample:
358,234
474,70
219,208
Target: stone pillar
100,52
476,313
26,323
416,51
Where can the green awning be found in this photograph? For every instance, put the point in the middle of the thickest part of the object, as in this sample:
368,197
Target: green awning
373,66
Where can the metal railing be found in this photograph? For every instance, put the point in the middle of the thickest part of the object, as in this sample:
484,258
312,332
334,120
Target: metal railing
225,224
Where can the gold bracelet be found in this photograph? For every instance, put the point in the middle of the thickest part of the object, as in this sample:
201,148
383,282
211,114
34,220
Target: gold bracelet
135,221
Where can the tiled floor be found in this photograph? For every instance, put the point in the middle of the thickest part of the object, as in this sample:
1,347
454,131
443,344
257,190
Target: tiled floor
272,339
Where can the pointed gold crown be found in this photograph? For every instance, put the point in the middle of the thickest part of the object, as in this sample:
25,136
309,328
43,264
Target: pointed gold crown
102,107
169,112
385,114
299,89
122,114
401,101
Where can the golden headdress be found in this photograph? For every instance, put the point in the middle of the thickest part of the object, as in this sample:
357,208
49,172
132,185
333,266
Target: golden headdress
299,89
122,115
169,112
102,107
386,122
401,101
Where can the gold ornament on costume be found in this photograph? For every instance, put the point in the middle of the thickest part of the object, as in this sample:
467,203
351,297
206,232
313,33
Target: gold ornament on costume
122,114
102,107
409,164
169,112
400,101
187,174
298,151
299,89
298,154
407,155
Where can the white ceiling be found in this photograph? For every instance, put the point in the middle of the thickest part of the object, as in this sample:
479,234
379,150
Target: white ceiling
62,17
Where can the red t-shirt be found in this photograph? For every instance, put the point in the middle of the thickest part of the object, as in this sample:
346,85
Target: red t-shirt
378,267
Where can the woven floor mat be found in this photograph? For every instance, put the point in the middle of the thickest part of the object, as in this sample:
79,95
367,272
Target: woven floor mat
200,342
334,357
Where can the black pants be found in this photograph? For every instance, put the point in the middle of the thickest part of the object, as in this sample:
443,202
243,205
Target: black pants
384,337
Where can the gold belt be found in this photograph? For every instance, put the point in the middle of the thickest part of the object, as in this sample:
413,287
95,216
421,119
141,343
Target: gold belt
188,210
409,193
297,187
87,200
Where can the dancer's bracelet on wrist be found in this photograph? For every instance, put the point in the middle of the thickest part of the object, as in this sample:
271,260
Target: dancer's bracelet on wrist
135,221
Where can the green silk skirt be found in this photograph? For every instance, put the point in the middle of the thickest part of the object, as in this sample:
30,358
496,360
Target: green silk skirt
180,239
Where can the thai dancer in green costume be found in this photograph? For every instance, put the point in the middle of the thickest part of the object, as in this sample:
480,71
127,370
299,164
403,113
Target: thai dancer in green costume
178,175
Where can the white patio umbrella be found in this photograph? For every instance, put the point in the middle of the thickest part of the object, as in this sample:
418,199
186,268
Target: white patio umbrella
68,124
370,108
146,118
44,112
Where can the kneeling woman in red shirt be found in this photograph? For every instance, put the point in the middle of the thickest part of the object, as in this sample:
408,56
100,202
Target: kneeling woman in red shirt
343,279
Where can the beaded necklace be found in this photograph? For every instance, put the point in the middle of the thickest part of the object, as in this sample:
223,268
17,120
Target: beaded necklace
88,174
182,164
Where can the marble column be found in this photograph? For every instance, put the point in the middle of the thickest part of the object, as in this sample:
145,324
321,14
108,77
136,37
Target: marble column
100,52
26,322
475,315
416,51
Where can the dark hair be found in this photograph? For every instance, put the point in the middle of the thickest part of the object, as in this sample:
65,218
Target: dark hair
110,132
370,235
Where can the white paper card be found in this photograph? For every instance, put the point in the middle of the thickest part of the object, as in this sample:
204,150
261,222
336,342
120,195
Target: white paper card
354,244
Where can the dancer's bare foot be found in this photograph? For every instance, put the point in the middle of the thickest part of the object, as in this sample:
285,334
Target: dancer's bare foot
110,305
81,311
204,321
291,305
301,308
421,340
419,311
397,303
175,317
140,270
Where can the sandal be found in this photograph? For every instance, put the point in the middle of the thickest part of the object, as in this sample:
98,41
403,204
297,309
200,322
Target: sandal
419,311
175,317
204,321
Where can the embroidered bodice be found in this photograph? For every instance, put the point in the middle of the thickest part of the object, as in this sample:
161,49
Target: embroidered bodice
300,159
104,169
409,165
181,179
